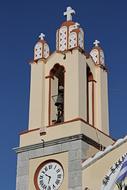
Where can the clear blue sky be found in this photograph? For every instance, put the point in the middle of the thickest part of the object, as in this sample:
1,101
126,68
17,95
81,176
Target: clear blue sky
20,24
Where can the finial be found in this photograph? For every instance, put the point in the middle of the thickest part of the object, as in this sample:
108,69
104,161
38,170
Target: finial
42,36
69,13
96,43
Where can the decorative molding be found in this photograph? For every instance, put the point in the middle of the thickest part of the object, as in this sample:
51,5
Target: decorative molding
59,141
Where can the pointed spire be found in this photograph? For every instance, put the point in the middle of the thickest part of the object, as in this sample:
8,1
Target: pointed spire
41,36
96,43
69,13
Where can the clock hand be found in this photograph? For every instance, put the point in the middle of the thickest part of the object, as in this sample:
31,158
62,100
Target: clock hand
49,179
47,175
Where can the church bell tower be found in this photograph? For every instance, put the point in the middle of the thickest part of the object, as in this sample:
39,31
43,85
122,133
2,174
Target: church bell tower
68,114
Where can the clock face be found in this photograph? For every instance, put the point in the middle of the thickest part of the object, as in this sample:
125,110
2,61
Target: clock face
49,175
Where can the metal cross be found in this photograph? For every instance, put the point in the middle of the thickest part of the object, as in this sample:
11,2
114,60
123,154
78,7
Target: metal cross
69,13
96,43
42,36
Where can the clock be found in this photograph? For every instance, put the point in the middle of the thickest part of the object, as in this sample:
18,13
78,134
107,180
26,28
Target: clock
49,175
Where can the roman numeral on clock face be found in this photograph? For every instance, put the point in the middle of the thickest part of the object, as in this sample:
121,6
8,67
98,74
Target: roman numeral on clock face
58,170
57,182
50,166
59,176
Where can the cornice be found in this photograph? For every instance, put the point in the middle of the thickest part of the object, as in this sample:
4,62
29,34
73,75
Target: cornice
44,144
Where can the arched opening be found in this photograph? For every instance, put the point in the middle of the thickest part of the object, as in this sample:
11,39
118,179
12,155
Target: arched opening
90,97
56,96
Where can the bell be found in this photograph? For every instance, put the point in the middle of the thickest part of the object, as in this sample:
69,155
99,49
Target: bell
60,105
61,89
59,100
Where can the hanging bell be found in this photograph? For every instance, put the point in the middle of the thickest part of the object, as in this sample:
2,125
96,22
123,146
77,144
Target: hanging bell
59,100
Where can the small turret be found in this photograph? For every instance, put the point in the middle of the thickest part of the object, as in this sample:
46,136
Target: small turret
97,54
41,49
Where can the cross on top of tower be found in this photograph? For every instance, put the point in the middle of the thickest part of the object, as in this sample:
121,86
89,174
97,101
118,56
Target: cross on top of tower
42,36
69,13
96,43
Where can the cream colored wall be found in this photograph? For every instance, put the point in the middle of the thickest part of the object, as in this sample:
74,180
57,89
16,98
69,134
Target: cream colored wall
34,163
52,133
90,103
105,109
92,66
101,101
93,175
37,89
46,103
75,103
65,130
52,60
75,84
72,86
75,98
82,86
101,116
96,135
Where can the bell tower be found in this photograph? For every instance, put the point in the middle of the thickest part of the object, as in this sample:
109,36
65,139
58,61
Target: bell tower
68,114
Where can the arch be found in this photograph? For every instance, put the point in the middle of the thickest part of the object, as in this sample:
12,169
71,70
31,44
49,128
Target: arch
90,97
56,94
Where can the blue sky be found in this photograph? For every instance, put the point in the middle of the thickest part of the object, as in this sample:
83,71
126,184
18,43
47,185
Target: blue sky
21,23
